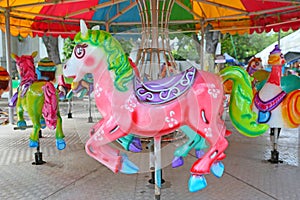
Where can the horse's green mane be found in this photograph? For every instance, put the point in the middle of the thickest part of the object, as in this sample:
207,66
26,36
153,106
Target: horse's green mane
116,57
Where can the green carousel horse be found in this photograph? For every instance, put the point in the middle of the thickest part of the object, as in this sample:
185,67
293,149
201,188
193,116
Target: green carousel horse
39,98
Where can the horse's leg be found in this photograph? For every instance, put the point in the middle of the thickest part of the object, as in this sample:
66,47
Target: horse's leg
59,135
98,148
128,142
43,122
195,141
20,113
96,127
210,161
36,127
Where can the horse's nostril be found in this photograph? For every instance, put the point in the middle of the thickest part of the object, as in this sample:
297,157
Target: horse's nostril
65,66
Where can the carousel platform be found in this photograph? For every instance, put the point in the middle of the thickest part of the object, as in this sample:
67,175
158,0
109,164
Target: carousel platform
72,174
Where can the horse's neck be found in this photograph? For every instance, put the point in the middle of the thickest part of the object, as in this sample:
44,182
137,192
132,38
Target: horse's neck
28,80
107,96
275,75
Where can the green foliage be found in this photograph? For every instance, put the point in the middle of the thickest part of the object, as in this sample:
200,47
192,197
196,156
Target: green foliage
127,45
186,48
68,48
244,46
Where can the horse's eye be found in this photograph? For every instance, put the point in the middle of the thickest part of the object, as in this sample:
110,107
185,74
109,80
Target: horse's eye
79,51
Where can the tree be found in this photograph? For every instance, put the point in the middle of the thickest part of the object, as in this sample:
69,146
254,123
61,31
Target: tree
68,48
244,46
51,44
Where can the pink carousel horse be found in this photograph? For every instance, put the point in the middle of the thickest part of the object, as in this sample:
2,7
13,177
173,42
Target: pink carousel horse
278,101
153,109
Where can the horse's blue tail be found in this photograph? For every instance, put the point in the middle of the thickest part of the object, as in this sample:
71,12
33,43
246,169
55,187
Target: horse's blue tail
50,105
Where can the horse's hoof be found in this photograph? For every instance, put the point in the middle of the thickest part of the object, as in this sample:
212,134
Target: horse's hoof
60,144
196,183
128,167
136,145
177,161
43,123
22,124
199,153
217,169
33,144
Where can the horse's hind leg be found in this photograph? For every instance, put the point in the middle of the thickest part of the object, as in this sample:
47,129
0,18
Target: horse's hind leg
59,135
98,148
34,136
209,162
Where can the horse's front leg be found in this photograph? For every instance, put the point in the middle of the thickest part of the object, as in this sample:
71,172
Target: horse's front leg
195,141
20,113
209,162
128,142
97,147
36,127
96,127
59,135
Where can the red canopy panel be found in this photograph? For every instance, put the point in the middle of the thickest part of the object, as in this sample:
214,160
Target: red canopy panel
276,15
67,27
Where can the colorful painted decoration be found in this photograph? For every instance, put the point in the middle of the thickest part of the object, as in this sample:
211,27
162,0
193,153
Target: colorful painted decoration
254,65
278,101
46,69
152,109
4,80
39,99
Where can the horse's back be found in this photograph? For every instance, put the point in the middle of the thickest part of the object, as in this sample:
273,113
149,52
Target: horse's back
34,97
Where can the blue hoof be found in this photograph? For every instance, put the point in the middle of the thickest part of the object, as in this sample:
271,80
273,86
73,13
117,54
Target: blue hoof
199,153
128,167
217,169
33,144
177,161
43,123
22,124
197,183
60,144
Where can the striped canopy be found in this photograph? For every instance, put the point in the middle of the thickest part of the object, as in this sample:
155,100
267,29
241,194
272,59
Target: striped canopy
61,17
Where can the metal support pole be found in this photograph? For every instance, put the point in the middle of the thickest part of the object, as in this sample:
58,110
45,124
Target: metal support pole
38,156
90,118
8,62
69,109
202,46
157,166
279,37
274,135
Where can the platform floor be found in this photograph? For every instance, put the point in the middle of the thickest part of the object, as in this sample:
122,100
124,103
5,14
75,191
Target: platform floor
72,174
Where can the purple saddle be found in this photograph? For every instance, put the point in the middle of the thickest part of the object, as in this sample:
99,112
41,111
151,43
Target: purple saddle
164,90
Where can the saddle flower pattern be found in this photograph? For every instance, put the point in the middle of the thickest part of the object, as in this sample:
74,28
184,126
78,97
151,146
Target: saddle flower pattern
213,91
170,120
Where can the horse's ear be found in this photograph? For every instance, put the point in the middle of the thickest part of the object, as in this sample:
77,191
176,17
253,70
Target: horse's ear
34,54
97,27
83,28
14,56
